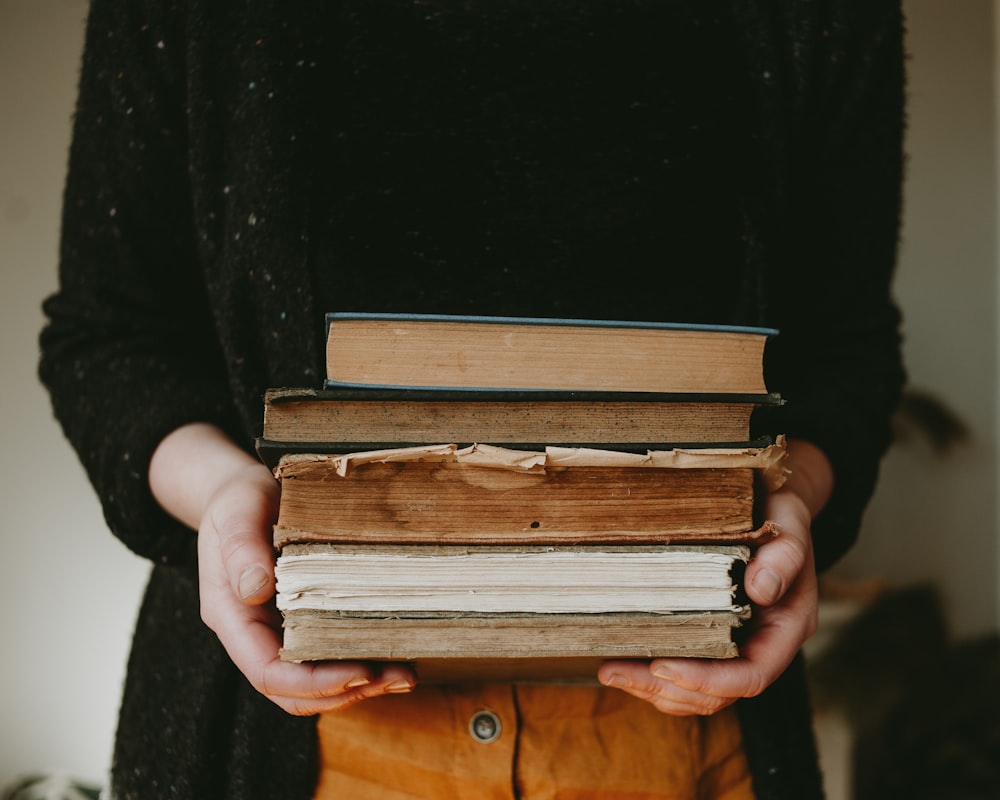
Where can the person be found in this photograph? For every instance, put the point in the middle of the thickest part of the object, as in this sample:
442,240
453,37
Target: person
237,170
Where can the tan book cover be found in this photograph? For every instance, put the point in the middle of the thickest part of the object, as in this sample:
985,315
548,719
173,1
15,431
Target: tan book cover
444,351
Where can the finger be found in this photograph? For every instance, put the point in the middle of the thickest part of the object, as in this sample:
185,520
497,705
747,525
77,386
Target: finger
777,633
638,680
777,564
241,520
703,686
776,636
251,637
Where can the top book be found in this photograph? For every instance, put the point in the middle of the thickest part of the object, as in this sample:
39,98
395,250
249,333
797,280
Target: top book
440,351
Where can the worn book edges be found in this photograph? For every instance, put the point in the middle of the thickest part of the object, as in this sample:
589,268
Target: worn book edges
483,352
489,495
345,420
509,613
414,579
391,584
548,648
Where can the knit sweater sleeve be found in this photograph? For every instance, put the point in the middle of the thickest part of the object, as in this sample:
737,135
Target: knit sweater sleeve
837,358
128,351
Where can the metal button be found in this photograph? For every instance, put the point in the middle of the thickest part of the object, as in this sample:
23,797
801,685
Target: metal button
485,727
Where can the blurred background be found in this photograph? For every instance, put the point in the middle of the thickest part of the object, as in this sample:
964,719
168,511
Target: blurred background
911,614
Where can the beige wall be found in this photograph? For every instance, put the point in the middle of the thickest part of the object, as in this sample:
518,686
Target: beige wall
68,590
66,618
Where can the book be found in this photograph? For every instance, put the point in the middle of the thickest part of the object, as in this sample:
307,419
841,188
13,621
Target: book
505,353
345,420
490,495
522,648
526,613
497,579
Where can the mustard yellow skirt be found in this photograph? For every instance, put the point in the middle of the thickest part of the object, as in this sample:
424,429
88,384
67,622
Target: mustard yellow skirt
531,742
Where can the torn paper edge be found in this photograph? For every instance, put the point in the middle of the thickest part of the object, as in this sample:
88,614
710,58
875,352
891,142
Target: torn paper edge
770,460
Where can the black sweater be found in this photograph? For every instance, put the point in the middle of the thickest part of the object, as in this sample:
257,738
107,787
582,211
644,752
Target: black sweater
220,199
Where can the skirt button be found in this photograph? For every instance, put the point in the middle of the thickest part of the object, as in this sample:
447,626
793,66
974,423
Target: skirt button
485,727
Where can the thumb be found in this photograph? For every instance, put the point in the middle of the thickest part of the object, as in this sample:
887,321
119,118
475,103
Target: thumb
241,517
778,563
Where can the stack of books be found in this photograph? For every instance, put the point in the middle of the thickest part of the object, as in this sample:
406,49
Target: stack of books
500,498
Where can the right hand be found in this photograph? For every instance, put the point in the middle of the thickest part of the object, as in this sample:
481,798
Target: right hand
235,499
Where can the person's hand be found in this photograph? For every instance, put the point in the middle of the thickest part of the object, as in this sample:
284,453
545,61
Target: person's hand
237,602
232,500
782,586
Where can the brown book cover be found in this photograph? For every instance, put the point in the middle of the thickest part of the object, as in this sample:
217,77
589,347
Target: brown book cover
489,495
345,420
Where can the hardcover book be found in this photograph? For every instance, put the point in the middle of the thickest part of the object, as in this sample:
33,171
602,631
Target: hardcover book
490,495
511,613
446,351
345,420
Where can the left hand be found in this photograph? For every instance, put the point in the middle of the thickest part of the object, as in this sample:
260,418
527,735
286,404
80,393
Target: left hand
782,586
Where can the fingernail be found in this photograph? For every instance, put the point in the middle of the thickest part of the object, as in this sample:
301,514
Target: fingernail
252,581
767,585
354,683
665,673
398,687
617,681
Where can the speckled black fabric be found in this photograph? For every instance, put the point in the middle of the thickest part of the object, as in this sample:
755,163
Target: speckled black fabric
237,170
